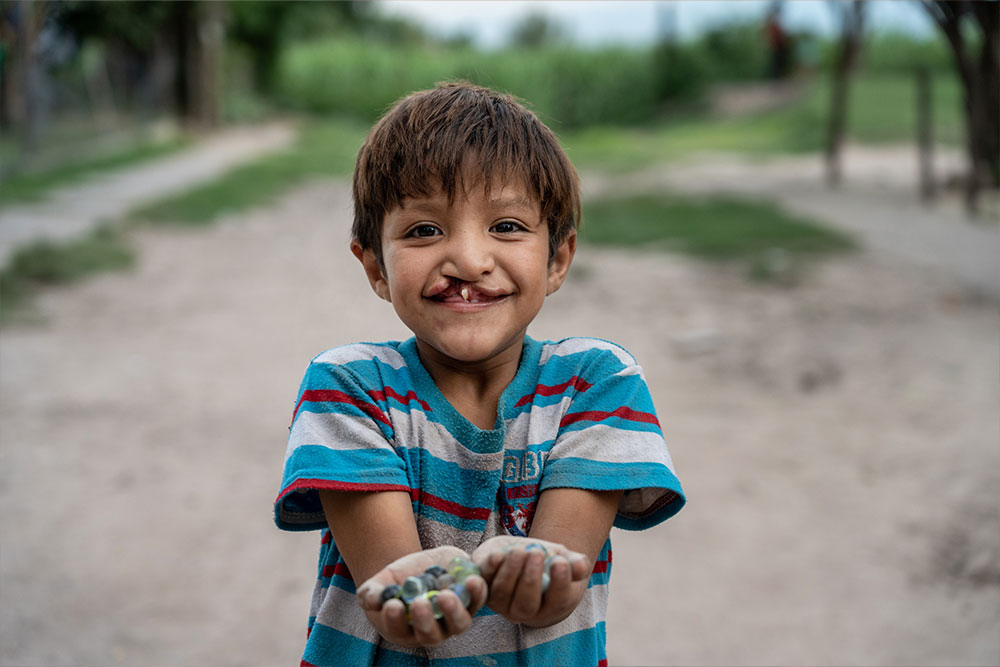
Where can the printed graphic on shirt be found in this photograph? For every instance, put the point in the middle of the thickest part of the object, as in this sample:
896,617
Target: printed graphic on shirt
518,493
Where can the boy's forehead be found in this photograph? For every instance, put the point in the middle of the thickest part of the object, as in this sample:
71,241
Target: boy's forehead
511,193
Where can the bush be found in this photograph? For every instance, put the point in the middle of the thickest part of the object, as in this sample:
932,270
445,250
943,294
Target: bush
891,53
568,87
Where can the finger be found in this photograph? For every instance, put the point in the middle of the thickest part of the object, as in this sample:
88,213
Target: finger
527,598
425,627
560,591
369,595
479,592
581,566
394,620
457,618
505,580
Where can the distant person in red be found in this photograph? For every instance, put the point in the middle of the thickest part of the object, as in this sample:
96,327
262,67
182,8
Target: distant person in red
777,43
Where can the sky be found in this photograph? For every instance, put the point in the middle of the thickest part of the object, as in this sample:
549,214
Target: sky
601,22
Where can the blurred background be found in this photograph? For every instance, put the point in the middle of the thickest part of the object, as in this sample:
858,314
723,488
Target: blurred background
791,218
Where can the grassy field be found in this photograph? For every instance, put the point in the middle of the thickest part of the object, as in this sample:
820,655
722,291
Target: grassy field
881,110
46,263
769,243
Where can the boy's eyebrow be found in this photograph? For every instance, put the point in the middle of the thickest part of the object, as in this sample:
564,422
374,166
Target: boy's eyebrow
435,203
513,201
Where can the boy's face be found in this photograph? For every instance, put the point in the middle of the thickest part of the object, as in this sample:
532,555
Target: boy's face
467,277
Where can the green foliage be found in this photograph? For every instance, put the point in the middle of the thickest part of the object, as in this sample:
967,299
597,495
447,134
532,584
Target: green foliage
49,263
770,243
881,110
681,72
567,86
893,53
322,150
536,30
732,52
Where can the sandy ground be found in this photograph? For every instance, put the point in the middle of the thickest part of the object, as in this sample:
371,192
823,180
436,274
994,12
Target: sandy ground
839,443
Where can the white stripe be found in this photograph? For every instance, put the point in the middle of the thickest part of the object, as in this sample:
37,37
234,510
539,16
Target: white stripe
570,346
414,430
434,533
496,634
608,444
340,611
361,352
335,431
537,425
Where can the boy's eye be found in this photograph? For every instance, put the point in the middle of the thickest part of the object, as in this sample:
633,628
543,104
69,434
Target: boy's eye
423,231
506,227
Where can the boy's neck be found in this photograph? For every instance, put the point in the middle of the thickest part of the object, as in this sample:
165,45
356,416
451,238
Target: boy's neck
474,389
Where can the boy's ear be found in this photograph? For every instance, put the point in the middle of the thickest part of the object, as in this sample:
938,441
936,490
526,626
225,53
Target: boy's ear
376,277
559,264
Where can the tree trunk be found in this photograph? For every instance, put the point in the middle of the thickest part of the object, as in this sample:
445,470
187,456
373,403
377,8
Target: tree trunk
31,16
980,76
925,136
850,43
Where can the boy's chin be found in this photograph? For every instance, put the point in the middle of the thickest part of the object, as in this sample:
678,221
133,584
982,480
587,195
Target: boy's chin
470,352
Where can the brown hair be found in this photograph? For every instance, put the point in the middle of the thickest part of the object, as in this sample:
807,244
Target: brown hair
459,132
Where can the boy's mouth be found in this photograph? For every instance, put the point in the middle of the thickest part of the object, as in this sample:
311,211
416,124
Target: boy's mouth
467,293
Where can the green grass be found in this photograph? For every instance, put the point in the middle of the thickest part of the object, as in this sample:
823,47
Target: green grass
34,186
756,234
324,148
47,263
881,110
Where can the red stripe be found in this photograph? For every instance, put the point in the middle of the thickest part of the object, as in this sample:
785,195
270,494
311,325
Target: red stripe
340,569
481,513
549,390
609,555
328,485
391,393
599,415
461,511
327,537
522,491
602,663
309,664
600,567
334,396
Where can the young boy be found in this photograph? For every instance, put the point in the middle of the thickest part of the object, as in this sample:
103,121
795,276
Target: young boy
471,438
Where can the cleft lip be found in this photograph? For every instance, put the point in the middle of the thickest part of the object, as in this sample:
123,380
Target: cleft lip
464,291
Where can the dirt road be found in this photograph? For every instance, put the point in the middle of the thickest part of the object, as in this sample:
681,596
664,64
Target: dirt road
76,209
839,443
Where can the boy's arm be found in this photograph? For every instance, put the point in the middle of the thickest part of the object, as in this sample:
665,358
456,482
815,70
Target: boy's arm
376,535
578,520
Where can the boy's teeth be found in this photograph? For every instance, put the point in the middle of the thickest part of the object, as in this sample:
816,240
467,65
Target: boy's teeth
465,293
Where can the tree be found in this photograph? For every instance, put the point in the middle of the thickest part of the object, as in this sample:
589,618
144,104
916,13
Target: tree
851,18
535,31
968,26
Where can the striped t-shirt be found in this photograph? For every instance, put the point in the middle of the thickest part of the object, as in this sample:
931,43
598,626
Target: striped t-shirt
369,417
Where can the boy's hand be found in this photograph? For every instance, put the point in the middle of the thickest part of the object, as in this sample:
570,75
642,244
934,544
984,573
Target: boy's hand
515,579
424,630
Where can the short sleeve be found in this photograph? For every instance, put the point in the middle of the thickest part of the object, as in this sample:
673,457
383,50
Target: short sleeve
340,439
609,439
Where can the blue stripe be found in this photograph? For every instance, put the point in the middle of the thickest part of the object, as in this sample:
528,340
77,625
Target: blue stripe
584,648
571,472
331,648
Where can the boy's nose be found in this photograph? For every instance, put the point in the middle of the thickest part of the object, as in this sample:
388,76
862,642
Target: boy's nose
469,257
